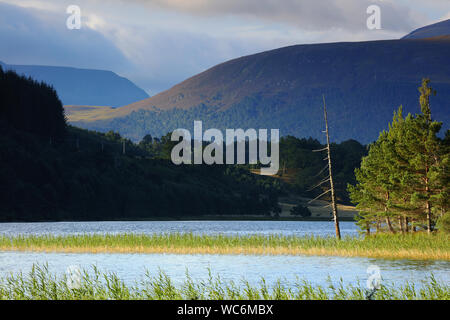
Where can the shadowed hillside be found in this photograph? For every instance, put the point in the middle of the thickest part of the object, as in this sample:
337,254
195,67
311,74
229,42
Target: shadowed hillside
434,30
50,171
84,86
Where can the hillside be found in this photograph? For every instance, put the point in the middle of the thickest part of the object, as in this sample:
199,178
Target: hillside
87,113
50,171
73,179
363,83
84,86
434,30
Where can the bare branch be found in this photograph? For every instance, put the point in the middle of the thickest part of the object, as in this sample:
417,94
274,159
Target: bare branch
319,196
320,183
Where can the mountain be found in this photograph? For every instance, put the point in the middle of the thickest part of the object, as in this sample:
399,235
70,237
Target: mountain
363,83
434,30
84,86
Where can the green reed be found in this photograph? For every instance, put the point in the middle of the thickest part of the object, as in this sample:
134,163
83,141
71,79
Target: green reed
41,284
420,245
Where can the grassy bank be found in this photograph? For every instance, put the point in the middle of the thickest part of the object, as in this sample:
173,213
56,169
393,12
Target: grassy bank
412,246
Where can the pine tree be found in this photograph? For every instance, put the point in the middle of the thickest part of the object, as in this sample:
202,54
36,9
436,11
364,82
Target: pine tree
409,165
421,148
374,188
440,175
397,162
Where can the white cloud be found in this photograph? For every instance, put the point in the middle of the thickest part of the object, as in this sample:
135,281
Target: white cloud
445,17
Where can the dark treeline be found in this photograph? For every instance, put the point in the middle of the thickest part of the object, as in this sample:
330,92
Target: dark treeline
299,164
51,171
29,105
66,181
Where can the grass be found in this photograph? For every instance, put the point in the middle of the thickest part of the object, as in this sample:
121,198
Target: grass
40,284
88,113
418,246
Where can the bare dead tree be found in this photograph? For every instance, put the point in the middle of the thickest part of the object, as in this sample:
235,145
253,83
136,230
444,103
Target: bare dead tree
330,176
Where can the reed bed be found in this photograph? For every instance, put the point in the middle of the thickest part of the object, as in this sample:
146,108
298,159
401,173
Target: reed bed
41,284
419,246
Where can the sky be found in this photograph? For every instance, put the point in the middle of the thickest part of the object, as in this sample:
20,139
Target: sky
159,43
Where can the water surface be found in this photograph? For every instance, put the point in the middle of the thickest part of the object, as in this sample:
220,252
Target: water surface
315,269
287,228
131,267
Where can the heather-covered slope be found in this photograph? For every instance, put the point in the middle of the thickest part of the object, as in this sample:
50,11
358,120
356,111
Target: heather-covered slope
363,83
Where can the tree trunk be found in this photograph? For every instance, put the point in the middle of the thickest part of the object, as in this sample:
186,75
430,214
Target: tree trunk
388,222
428,206
333,196
406,224
400,223
428,210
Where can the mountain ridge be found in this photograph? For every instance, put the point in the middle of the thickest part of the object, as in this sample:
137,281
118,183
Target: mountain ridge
80,86
440,28
364,82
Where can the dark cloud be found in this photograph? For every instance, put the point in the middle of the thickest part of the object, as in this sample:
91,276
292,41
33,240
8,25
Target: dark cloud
312,15
29,36
168,57
159,55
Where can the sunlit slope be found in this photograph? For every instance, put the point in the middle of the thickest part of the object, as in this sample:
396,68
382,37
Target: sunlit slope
87,113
